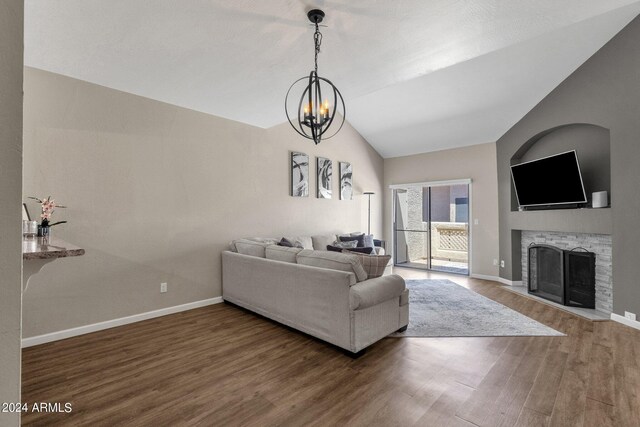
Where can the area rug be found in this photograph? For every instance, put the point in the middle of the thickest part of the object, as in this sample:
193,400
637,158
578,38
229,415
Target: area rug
441,308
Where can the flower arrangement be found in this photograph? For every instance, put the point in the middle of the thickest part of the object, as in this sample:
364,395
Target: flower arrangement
48,206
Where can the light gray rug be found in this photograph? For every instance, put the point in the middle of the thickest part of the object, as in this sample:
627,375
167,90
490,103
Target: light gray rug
441,308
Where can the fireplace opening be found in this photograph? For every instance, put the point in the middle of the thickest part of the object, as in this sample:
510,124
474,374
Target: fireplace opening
564,276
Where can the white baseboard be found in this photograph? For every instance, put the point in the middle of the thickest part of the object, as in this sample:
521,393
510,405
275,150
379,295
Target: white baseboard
498,279
484,277
621,319
510,282
81,330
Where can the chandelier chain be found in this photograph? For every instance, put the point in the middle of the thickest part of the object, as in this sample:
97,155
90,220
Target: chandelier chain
317,39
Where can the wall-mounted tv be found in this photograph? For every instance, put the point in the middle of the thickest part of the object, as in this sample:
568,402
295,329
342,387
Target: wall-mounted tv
551,181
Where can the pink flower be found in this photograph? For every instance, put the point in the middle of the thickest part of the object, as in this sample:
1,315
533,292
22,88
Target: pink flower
48,206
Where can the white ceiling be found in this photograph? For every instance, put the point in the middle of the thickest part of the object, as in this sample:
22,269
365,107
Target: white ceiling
416,75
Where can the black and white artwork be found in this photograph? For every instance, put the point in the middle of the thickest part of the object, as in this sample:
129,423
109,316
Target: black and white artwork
299,174
346,182
323,167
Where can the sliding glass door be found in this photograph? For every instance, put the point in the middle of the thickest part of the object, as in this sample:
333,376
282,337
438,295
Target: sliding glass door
412,245
431,227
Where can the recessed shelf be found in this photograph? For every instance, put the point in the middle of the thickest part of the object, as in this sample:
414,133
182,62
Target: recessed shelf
560,209
586,220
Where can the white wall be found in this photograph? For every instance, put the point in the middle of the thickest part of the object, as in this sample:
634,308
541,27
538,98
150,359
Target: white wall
156,192
477,162
11,52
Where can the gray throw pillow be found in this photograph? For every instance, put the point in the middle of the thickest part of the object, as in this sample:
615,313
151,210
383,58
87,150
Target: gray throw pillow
368,241
285,242
345,245
357,250
359,239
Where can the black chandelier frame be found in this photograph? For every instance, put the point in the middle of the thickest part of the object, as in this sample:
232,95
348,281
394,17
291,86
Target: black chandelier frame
313,119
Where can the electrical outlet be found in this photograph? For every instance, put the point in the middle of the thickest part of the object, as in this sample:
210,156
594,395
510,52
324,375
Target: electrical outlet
502,263
495,261
163,288
630,316
476,222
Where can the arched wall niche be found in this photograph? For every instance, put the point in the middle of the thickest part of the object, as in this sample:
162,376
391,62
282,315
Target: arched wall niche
592,144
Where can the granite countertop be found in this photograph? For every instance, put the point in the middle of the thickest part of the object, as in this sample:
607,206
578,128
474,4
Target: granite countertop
48,248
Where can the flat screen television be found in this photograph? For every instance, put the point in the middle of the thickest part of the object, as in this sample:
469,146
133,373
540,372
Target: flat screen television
551,181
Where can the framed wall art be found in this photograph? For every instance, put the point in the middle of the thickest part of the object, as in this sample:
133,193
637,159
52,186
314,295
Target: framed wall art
346,181
323,169
299,174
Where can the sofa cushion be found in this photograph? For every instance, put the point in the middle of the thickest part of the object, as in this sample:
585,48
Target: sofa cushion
251,247
320,242
374,265
375,291
359,238
281,253
342,249
333,261
304,242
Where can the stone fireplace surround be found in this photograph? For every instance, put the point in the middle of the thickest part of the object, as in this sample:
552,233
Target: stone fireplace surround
600,244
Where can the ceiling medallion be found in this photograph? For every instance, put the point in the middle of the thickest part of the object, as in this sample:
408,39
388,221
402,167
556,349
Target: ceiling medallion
313,115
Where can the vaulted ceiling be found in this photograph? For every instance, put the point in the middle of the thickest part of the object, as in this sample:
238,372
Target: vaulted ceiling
416,75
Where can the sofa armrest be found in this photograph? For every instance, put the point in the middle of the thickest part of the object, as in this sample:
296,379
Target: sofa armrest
375,291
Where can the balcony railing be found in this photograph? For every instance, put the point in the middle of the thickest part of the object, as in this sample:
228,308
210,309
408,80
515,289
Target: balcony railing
450,240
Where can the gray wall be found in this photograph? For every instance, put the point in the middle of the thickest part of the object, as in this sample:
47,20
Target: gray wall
11,48
156,192
605,92
477,162
592,144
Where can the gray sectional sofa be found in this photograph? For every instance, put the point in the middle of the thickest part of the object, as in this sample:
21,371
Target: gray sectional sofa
325,294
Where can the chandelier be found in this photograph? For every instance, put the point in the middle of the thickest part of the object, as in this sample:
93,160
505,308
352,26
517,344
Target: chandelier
311,115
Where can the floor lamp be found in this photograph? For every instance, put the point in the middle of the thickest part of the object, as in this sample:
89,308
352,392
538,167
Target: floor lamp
369,194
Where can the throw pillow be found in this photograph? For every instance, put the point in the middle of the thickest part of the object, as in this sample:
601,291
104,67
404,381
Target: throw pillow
359,250
374,265
285,242
368,241
345,245
359,239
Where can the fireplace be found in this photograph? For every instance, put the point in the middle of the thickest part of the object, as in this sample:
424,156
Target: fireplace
564,276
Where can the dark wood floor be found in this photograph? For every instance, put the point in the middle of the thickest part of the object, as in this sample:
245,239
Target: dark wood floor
220,365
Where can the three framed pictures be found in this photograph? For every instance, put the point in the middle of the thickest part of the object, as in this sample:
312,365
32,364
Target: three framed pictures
299,168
